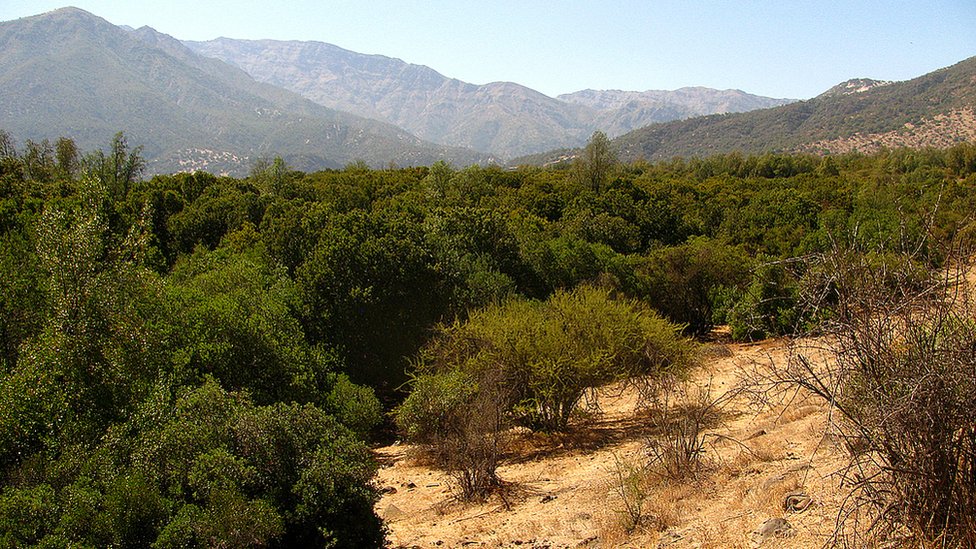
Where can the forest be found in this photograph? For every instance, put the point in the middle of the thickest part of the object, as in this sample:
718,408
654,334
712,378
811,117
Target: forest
191,360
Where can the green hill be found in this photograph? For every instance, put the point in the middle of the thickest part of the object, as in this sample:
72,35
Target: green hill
800,126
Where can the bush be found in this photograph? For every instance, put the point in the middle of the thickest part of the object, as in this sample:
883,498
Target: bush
902,377
549,353
769,306
461,422
529,362
682,281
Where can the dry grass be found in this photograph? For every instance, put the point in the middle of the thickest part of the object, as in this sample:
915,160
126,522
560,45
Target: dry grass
562,494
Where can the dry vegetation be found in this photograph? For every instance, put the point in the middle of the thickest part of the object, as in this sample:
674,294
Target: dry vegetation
861,437
606,483
940,131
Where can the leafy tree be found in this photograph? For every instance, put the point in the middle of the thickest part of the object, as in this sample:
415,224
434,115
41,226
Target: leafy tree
118,169
66,158
371,290
271,176
687,282
235,321
38,161
597,162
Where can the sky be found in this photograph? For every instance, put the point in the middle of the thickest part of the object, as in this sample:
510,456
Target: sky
777,48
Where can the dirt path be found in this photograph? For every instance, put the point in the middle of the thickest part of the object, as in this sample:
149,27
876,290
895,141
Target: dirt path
560,487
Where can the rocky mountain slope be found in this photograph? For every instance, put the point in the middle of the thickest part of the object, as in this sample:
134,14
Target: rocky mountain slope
71,73
501,117
933,110
854,85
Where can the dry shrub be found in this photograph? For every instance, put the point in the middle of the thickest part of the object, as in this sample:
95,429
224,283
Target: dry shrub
644,503
629,483
461,426
901,382
681,413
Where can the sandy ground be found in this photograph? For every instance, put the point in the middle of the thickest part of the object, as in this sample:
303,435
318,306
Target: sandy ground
560,489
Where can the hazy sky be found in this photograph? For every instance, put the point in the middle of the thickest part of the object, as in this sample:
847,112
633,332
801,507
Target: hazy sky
779,48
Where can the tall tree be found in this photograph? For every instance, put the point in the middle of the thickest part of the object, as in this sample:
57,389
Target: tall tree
66,157
597,163
119,169
7,148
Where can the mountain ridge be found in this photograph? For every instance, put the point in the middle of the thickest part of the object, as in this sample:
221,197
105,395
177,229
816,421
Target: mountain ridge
504,118
71,73
930,110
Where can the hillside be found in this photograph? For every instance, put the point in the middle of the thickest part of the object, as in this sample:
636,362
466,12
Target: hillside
897,107
70,73
623,111
502,118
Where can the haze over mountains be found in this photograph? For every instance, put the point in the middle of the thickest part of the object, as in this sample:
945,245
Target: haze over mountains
220,105
70,73
502,118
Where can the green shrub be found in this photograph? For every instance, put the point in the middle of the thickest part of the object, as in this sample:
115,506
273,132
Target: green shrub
549,353
26,515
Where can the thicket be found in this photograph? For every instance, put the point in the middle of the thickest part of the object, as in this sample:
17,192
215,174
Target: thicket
531,363
901,380
287,299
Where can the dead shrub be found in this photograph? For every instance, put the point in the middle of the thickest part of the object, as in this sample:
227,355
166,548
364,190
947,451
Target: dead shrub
901,381
680,414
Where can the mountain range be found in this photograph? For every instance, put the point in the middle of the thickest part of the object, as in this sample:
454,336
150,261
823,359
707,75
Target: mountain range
937,109
501,118
220,105
71,73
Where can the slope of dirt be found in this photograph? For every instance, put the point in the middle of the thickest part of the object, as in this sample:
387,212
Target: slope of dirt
941,131
560,489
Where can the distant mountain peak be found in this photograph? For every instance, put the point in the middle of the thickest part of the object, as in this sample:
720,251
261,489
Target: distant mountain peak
504,118
71,73
855,85
71,12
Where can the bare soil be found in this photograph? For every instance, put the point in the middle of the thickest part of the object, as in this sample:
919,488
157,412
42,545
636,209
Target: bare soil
559,488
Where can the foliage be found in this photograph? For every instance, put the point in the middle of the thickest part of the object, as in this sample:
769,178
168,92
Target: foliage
597,162
549,353
181,408
685,282
215,344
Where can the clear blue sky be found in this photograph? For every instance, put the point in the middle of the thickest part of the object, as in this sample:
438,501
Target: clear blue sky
779,48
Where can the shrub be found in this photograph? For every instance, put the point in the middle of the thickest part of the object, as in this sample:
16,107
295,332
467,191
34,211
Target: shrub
682,282
530,362
902,378
549,353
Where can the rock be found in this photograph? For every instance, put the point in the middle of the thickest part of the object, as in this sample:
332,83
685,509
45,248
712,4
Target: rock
392,512
777,527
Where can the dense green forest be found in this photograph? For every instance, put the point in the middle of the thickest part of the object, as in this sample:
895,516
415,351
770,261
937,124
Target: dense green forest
193,360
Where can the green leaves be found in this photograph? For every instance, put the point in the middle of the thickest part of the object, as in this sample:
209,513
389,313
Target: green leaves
548,353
